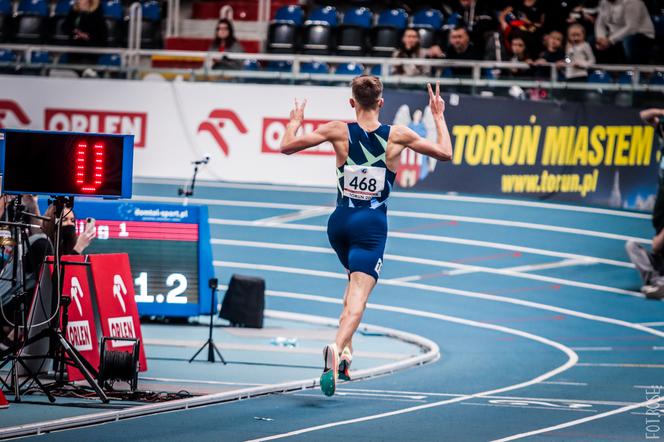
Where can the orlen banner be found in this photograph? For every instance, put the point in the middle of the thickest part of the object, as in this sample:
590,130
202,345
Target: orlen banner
118,313
239,126
574,152
81,327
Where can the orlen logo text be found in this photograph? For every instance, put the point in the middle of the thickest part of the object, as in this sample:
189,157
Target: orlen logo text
76,120
122,327
275,128
78,333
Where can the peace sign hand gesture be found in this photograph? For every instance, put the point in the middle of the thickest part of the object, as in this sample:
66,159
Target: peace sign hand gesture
297,114
436,103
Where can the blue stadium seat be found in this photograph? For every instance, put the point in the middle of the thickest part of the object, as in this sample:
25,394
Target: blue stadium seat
5,19
293,14
453,20
314,68
658,21
376,70
7,56
33,7
349,69
431,18
109,60
657,79
31,21
360,17
41,57
151,24
318,34
326,14
250,65
62,7
5,7
385,36
151,10
487,74
353,31
626,77
599,76
279,66
395,18
282,34
113,9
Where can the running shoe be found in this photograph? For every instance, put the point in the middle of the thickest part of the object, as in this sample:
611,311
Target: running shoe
345,360
328,380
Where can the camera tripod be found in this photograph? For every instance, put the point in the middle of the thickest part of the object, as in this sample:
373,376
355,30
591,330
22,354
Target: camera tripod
212,348
60,349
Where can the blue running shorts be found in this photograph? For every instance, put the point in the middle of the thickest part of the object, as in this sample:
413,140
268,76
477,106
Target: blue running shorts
358,237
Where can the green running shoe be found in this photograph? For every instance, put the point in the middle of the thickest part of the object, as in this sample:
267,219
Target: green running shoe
328,380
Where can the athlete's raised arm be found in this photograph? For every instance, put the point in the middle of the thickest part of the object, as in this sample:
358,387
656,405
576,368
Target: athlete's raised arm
291,143
442,148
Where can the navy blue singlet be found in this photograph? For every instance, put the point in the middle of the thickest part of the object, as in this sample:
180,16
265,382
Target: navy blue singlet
357,229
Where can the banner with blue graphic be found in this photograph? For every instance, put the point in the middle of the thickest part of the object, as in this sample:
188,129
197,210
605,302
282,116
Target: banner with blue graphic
599,155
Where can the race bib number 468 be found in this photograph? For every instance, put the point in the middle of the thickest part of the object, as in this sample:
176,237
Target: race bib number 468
363,182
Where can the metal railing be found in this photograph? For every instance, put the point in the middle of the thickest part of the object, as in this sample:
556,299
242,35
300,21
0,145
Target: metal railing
134,66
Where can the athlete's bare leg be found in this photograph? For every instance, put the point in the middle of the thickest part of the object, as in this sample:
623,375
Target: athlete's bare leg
343,315
355,301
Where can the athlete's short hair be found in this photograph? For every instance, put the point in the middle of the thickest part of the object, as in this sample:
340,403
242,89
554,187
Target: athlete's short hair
367,90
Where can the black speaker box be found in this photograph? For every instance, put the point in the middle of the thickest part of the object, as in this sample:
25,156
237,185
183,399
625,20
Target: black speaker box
244,301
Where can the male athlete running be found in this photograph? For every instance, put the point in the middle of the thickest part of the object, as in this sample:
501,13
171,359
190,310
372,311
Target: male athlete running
368,154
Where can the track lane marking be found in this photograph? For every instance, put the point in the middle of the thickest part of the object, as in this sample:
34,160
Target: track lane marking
434,238
408,195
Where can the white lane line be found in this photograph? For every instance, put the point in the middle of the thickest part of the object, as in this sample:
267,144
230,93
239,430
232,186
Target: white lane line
296,216
649,387
448,291
320,397
198,381
518,224
653,401
433,262
575,384
619,365
323,210
524,268
356,393
534,267
654,324
572,358
531,407
409,195
510,398
436,238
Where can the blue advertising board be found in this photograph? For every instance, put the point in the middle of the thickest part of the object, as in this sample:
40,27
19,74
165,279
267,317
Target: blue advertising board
169,251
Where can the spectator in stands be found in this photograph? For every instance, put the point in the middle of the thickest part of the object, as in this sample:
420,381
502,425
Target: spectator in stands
650,265
479,19
553,53
585,14
86,26
578,54
527,18
624,32
410,48
225,41
461,48
520,54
